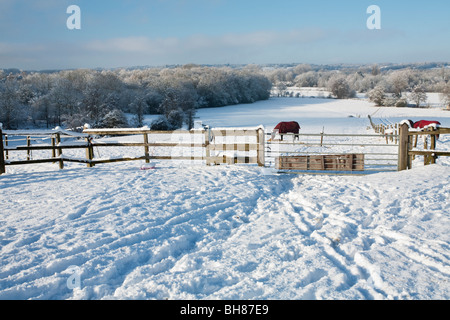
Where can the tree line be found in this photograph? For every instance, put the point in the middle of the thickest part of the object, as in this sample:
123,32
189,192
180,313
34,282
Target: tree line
390,85
101,98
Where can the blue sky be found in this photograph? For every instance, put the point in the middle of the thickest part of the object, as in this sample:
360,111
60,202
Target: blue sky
120,33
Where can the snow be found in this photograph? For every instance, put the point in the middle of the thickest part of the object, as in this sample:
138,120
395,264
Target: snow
38,132
187,231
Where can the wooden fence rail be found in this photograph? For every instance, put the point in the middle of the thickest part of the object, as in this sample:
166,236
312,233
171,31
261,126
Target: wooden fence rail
408,142
208,141
331,153
2,155
224,146
390,131
56,147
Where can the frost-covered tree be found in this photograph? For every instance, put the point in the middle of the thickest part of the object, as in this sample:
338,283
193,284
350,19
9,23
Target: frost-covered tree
9,104
103,93
340,88
281,88
113,119
377,95
179,105
74,96
302,68
42,110
375,70
445,94
418,95
139,108
402,80
161,124
370,82
176,118
63,98
398,82
308,79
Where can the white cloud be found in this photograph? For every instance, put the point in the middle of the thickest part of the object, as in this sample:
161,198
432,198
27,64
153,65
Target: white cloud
314,45
138,45
202,48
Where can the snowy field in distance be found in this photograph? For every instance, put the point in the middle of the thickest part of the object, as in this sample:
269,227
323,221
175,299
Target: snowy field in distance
231,232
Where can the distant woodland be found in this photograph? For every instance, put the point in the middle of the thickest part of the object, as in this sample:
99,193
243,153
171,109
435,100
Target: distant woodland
101,98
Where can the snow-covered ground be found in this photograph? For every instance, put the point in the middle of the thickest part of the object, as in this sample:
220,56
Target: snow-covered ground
231,232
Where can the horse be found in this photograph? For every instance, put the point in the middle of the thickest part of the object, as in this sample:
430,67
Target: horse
287,127
422,124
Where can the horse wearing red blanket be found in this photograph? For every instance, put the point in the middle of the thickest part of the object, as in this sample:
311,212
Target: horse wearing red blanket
422,124
425,123
287,127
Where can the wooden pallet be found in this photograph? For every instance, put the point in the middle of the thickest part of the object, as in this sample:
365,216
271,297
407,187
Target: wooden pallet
344,162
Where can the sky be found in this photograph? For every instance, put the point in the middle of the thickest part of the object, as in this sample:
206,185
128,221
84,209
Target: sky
34,34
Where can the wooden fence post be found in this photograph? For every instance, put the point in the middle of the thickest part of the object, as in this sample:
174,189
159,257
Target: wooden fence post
147,153
261,141
53,147
59,153
28,150
433,147
396,133
403,147
89,152
207,146
2,155
6,145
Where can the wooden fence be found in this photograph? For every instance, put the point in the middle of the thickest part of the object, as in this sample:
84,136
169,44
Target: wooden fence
332,153
408,142
55,146
215,146
368,152
344,162
389,131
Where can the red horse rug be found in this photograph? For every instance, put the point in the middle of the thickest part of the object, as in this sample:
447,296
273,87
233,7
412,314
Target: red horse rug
287,127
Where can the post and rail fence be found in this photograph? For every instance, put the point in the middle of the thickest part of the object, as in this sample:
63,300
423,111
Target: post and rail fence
408,141
212,146
326,153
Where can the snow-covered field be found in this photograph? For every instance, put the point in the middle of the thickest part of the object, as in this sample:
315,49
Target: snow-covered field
231,232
